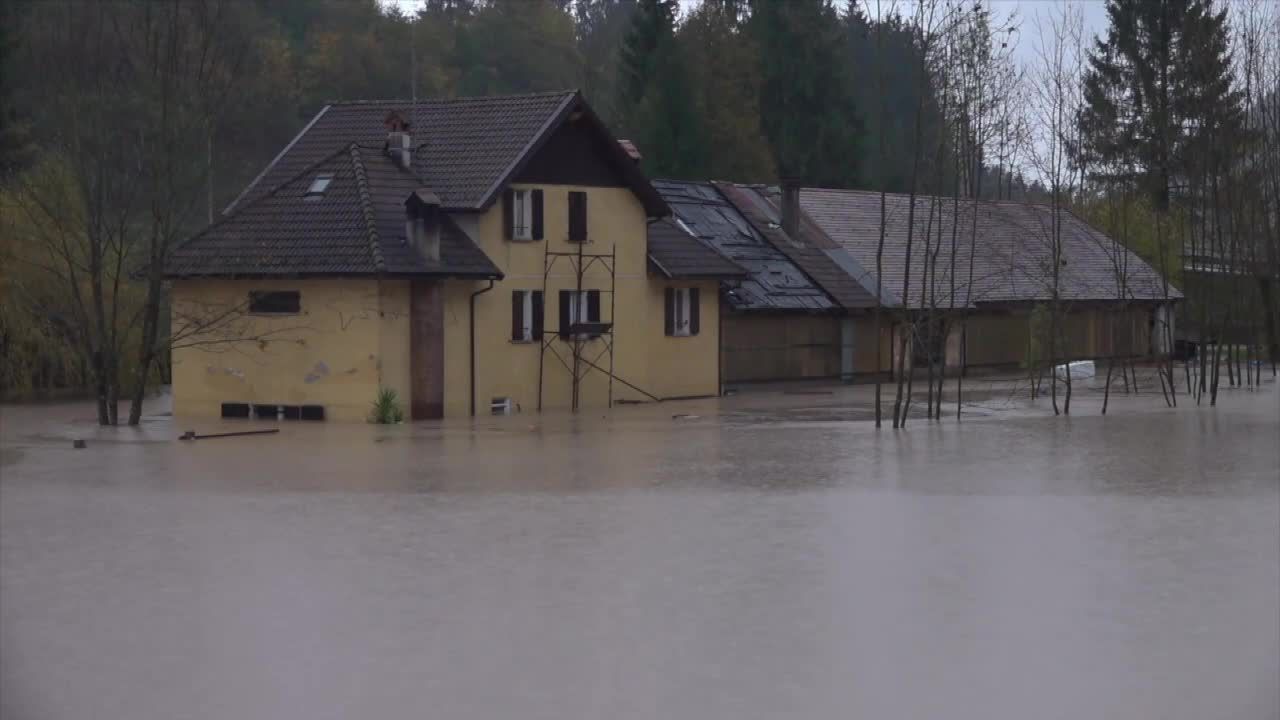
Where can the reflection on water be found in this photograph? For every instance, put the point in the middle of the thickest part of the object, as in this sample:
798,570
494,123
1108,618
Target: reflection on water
766,556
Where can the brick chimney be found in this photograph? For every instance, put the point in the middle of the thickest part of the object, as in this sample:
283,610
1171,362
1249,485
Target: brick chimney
791,206
631,150
399,145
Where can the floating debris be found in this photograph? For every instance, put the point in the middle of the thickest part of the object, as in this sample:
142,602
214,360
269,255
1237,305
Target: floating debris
191,434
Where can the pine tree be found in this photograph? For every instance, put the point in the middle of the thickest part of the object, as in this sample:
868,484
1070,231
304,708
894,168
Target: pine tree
1161,75
653,25
720,59
807,108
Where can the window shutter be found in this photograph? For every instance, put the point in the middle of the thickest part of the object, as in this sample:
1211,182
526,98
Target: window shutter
517,314
508,213
537,314
593,306
669,308
693,311
537,214
577,216
564,312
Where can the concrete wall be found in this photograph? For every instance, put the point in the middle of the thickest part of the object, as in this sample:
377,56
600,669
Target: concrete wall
350,337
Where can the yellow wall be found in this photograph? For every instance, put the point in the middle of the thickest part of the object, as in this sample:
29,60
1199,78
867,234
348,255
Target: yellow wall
641,353
684,366
353,334
349,338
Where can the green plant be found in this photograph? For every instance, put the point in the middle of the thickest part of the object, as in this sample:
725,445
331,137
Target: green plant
386,408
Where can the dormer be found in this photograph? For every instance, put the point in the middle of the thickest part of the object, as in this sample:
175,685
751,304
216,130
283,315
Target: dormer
422,223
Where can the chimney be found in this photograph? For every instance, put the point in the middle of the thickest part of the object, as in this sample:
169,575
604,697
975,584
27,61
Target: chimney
631,150
791,206
422,220
399,145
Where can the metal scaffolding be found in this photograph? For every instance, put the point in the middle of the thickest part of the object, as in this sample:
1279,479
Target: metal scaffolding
580,335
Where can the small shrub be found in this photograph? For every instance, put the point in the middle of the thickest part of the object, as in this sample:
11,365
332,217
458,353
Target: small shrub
386,408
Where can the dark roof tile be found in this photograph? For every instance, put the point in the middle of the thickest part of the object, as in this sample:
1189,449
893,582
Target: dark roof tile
679,254
355,227
463,146
773,282
812,251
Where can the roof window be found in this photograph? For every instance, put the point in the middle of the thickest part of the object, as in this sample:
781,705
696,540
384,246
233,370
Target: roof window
318,186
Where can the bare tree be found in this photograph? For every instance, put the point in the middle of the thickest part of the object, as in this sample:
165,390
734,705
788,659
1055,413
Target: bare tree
129,94
1056,99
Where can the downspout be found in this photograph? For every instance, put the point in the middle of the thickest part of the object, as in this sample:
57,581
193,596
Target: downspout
473,343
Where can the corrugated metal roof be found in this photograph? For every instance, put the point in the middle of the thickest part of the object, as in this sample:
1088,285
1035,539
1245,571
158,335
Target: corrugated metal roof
774,281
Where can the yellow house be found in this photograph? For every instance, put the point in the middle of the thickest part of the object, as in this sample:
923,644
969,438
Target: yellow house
475,255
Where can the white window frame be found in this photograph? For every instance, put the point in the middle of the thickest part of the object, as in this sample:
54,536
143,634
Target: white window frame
521,214
578,303
318,186
526,321
682,322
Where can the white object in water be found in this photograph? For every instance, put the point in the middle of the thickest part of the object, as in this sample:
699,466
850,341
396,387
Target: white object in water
1079,370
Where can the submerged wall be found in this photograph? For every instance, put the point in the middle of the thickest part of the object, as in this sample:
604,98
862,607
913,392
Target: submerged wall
349,338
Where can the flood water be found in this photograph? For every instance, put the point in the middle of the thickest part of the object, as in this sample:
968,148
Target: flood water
767,556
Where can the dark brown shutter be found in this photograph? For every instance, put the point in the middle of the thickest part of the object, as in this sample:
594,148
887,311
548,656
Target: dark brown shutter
593,306
537,314
669,311
517,314
537,214
577,216
693,311
508,213
564,312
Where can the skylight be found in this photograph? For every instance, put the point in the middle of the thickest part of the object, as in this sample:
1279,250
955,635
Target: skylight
318,186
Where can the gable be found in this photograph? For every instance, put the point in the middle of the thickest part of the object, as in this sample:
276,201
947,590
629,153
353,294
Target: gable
463,147
574,155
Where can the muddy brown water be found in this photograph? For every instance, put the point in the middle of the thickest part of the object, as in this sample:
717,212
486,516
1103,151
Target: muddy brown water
763,556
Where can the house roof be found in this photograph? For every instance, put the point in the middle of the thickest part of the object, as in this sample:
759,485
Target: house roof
355,226
830,266
465,149
1012,261
677,253
773,281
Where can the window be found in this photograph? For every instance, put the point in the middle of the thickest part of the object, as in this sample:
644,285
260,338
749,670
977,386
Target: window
275,302
526,315
318,186
681,312
578,307
577,216
522,214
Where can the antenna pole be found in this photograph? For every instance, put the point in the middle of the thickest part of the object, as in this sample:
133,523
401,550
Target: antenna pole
413,72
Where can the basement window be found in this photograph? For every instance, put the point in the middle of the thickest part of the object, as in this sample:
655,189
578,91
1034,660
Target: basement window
235,410
318,186
275,302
